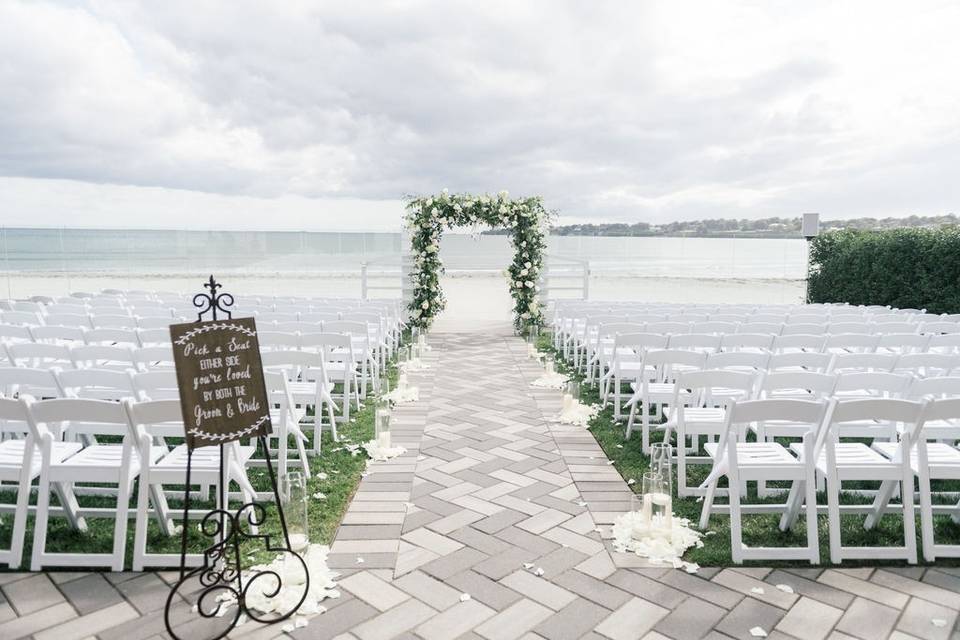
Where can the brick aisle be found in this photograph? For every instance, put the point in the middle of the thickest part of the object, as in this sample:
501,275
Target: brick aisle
488,493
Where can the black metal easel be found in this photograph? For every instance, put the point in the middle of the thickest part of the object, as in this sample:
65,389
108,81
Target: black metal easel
220,573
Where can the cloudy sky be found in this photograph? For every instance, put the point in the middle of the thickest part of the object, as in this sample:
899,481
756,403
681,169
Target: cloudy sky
323,115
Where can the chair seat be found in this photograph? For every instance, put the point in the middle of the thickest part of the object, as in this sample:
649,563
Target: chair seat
938,453
848,453
204,458
757,453
11,453
105,457
712,415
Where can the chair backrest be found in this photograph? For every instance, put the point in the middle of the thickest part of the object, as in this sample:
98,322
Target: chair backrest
896,327
926,365
863,362
157,385
851,342
879,409
151,337
945,387
695,341
945,343
663,359
69,319
667,327
278,340
808,328
935,410
798,341
102,357
80,416
155,418
808,360
708,379
737,341
158,322
810,412
16,332
641,341
40,355
158,356
879,383
816,385
771,328
113,321
838,328
903,342
20,317
58,334
738,360
112,336
714,326
39,383
100,384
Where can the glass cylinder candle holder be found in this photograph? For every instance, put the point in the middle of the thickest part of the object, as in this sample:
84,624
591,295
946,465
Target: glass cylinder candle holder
651,485
661,462
383,400
382,426
548,365
293,496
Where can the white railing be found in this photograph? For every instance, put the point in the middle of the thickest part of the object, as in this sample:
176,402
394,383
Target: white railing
381,274
571,276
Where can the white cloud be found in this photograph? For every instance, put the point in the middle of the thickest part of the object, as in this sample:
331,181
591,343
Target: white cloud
612,111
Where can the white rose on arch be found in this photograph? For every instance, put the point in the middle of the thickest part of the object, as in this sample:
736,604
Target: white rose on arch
424,305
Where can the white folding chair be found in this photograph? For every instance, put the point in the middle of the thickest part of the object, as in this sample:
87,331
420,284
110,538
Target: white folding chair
742,462
113,464
308,385
39,355
758,342
799,361
103,357
844,461
798,342
929,460
658,389
56,334
97,384
703,414
162,419
20,463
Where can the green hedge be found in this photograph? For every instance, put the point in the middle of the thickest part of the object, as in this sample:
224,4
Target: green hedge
905,268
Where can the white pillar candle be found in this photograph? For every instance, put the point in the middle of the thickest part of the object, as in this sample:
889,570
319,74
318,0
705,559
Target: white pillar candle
403,381
531,351
383,440
298,542
664,505
646,509
567,402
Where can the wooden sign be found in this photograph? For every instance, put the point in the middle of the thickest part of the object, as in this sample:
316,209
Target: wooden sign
220,376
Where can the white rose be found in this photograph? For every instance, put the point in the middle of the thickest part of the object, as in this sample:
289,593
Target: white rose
503,194
519,284
527,265
446,191
523,272
429,202
529,284
424,305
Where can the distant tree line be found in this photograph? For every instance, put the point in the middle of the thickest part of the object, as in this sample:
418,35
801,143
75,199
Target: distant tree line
761,228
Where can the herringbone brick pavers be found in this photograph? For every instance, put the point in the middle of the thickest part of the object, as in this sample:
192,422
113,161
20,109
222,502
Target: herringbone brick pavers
493,526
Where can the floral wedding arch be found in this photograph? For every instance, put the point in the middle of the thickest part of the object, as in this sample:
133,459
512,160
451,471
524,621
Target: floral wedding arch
525,218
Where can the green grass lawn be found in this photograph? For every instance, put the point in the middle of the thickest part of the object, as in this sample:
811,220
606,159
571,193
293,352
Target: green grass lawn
339,469
758,529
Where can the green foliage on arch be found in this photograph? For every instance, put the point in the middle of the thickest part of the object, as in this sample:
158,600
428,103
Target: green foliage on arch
528,222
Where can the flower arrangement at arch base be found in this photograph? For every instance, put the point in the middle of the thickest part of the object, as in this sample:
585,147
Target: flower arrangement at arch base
528,223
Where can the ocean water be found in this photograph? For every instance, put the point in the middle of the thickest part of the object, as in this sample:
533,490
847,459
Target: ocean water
57,261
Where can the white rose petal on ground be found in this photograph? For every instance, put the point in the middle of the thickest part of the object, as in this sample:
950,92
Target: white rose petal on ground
464,597
757,590
785,588
938,622
758,632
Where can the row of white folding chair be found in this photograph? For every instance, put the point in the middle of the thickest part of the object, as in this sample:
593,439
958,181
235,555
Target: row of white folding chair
78,335
826,451
662,365
90,321
52,453
41,355
620,362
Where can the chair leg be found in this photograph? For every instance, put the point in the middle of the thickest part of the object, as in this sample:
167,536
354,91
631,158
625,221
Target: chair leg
736,530
20,518
833,511
140,527
909,516
71,508
813,532
708,505
40,526
880,502
120,520
926,518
